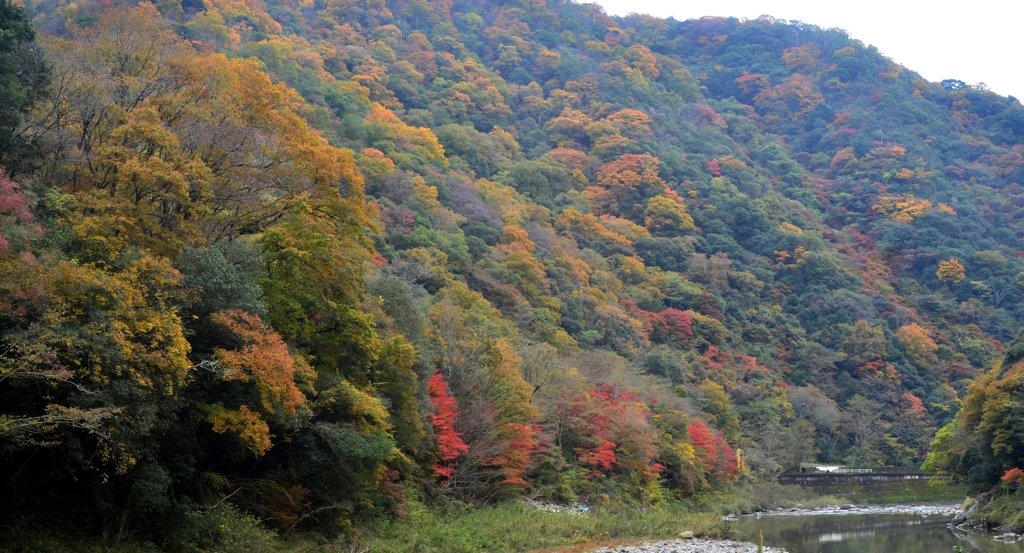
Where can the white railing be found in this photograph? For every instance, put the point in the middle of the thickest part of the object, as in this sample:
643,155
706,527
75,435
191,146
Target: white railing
843,470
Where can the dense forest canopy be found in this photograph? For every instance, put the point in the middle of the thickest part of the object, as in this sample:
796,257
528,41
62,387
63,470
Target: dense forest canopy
311,257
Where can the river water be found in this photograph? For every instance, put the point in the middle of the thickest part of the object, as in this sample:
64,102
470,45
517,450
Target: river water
866,533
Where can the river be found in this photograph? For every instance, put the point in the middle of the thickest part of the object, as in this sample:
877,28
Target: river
866,533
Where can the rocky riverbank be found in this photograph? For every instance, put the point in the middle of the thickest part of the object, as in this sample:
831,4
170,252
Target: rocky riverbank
994,512
689,546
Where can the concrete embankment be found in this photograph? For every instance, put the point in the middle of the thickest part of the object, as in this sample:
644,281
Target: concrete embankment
895,486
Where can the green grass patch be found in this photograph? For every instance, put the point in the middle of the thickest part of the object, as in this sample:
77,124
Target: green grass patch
516,527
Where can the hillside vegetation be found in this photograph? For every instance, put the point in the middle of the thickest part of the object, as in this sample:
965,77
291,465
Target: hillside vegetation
322,261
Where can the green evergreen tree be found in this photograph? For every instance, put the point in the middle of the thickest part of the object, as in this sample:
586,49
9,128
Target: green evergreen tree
24,75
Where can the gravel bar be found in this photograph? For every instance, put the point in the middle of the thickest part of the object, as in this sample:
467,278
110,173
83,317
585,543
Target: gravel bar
690,546
949,510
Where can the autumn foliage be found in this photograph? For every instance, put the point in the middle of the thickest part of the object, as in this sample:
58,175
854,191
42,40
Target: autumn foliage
449,442
719,461
309,260
17,224
951,271
1013,476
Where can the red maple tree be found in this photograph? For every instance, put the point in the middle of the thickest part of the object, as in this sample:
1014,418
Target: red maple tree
449,442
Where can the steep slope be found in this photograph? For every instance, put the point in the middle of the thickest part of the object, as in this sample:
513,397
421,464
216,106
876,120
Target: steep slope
605,251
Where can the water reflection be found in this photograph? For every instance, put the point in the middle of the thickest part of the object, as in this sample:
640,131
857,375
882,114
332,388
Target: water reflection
840,536
878,533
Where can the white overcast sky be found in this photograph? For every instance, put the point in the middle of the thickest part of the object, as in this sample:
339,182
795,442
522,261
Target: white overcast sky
974,41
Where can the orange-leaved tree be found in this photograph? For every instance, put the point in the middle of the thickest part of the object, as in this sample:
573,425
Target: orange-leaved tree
262,359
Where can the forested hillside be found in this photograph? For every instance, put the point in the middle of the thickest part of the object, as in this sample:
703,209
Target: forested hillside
313,258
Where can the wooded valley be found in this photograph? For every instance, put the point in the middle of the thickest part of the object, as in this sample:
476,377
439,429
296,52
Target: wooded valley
318,259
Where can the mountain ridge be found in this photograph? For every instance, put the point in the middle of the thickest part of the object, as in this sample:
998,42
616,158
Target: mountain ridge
469,249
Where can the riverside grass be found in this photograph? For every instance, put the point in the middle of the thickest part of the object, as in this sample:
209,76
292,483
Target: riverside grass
505,527
517,527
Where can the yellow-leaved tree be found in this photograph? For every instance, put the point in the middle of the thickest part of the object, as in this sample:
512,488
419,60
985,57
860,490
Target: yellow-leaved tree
665,215
951,271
